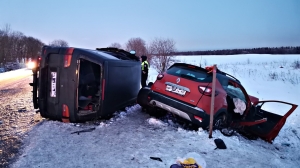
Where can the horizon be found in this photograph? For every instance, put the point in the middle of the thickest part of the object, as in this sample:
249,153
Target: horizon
197,25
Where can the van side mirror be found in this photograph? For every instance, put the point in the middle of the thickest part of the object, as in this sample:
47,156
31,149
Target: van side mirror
132,52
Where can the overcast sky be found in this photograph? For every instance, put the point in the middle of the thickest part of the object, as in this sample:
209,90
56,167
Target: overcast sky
192,24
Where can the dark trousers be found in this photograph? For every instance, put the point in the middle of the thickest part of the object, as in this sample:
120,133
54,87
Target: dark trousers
143,80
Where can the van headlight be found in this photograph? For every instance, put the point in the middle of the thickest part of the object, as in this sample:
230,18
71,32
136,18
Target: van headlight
31,65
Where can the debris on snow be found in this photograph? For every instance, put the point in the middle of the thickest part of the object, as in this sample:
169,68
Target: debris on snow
156,158
22,109
220,144
85,130
156,122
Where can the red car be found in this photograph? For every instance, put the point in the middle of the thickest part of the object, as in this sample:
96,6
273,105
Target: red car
185,90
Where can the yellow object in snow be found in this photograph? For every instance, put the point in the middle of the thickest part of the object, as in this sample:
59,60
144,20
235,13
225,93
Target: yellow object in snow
190,163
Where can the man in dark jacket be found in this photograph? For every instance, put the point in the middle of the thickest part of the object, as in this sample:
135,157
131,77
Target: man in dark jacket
145,70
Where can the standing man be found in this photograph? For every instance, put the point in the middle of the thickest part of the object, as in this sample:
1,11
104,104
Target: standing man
145,70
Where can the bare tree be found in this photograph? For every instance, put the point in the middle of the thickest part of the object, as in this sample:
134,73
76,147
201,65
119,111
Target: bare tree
116,45
150,52
137,44
162,50
5,44
33,47
59,43
16,45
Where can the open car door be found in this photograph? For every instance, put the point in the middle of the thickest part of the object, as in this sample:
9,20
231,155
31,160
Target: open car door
263,109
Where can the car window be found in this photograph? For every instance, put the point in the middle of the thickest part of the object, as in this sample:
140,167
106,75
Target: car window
189,73
235,92
223,81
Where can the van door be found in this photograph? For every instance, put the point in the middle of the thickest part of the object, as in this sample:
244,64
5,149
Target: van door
55,64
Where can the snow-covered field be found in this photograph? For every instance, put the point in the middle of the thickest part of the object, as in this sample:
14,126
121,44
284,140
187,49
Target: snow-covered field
131,137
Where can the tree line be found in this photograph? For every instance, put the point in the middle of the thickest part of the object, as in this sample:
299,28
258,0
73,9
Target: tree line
262,50
15,46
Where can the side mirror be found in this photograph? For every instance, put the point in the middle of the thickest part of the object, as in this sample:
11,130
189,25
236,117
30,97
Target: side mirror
132,52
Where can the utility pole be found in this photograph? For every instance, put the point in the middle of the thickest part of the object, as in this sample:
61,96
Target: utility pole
212,102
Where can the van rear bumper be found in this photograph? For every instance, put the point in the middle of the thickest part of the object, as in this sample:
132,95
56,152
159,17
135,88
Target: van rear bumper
193,114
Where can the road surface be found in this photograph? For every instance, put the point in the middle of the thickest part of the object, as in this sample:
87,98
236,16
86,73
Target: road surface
17,115
11,77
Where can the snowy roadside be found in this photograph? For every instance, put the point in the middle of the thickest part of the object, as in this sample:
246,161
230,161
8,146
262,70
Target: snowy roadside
131,138
10,74
16,117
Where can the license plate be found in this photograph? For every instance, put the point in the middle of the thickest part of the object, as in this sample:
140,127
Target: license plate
175,90
53,84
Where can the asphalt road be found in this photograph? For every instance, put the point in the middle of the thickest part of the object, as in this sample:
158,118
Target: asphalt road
17,115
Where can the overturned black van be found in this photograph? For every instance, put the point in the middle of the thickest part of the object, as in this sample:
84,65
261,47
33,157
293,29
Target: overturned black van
76,85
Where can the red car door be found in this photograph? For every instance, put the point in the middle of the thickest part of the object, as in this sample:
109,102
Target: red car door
269,129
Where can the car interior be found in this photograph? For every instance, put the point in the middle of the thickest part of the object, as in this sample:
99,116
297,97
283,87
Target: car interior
235,98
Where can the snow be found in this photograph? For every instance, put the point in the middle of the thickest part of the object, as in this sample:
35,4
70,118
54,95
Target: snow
14,73
131,137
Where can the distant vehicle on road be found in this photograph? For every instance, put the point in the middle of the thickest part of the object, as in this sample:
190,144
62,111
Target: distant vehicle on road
9,66
2,70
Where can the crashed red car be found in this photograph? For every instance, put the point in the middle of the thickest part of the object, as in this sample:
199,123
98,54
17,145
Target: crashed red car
185,90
